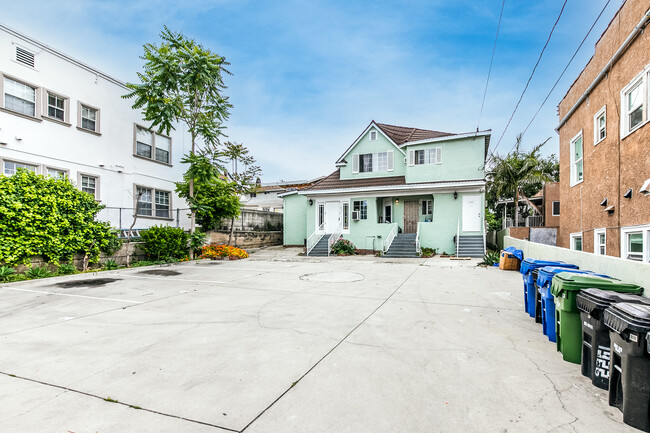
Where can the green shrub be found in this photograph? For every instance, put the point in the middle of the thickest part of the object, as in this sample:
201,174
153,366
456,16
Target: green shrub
48,217
38,272
113,244
164,242
110,264
428,252
343,246
490,258
6,272
66,269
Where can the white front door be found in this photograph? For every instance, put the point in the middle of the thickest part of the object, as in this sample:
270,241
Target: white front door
471,213
332,216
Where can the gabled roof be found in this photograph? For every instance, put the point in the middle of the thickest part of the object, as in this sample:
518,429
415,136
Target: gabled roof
403,134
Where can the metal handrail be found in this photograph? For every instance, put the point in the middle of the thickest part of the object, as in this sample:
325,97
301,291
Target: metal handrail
457,236
390,237
315,237
334,237
417,241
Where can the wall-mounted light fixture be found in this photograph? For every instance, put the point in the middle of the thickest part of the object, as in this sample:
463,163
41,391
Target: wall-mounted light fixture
604,202
628,193
455,195
396,201
311,202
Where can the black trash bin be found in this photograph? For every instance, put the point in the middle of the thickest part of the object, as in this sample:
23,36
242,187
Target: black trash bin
629,381
595,335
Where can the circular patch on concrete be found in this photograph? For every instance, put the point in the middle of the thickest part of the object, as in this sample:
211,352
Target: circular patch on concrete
333,277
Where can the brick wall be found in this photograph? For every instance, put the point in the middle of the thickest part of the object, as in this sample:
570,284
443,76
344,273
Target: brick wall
551,194
613,165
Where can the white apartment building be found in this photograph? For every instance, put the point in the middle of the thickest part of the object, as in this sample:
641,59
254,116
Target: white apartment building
61,117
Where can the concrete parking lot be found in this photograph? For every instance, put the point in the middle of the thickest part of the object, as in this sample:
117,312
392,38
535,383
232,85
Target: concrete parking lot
279,343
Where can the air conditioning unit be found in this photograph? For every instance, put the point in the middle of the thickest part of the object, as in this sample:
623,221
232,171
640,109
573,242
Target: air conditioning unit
355,215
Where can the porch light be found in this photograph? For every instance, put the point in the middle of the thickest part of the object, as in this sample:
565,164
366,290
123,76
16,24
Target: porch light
311,202
455,195
396,201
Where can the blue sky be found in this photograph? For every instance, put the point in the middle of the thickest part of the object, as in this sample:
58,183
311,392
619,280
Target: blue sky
310,75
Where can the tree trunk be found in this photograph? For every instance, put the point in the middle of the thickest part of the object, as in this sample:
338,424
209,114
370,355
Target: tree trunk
192,218
232,230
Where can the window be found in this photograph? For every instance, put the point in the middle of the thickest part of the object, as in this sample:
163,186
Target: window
89,118
19,97
152,202
388,213
10,167
55,172
576,160
373,135
365,163
382,161
361,206
425,156
635,246
152,146
634,106
600,242
321,215
634,103
56,107
346,216
89,184
427,207
576,241
600,126
555,211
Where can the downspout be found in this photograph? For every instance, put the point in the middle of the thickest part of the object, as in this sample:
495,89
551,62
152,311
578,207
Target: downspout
637,30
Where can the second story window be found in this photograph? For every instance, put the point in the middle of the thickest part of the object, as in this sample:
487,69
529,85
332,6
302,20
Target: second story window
555,211
152,146
56,107
634,106
365,163
88,118
372,162
577,173
19,97
600,126
425,156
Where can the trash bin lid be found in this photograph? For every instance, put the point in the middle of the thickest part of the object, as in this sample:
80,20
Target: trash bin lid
565,281
546,274
529,264
623,316
589,300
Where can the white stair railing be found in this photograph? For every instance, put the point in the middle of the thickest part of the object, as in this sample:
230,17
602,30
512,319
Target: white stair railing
334,237
315,237
390,237
417,241
457,237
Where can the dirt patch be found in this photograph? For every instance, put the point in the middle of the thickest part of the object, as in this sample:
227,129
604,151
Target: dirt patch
160,272
93,282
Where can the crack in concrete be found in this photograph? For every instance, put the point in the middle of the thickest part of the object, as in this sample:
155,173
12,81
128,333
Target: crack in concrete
38,406
132,406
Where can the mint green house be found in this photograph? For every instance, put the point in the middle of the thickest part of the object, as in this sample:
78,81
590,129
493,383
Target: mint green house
396,190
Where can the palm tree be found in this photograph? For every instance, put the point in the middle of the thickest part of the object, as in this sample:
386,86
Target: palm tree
510,174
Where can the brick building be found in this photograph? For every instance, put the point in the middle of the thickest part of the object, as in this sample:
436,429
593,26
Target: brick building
605,143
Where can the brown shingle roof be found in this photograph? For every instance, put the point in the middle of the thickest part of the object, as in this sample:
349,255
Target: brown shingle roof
402,134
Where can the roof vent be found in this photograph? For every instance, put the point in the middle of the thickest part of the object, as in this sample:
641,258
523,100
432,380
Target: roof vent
25,57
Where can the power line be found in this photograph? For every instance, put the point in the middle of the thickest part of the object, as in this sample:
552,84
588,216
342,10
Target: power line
566,67
494,48
531,74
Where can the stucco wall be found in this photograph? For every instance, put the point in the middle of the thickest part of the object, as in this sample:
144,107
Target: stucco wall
625,270
295,219
380,145
461,159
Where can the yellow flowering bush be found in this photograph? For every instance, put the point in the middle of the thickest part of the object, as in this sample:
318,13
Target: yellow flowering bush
214,251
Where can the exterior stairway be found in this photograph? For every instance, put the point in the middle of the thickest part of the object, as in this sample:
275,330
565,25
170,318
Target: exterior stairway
470,246
403,246
320,250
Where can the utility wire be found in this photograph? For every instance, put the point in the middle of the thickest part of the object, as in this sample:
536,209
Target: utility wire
566,67
531,75
494,48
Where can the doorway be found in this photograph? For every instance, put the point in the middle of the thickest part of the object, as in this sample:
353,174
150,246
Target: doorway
411,216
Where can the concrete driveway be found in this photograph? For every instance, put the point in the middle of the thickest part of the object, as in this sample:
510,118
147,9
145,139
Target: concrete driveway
279,343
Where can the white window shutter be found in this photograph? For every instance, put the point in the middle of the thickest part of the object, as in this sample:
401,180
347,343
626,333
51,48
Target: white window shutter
389,162
430,156
438,155
411,157
375,161
355,163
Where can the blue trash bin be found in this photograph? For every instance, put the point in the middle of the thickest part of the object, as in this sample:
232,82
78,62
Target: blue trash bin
527,268
544,278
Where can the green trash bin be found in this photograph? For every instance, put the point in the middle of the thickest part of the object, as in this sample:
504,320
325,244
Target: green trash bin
568,327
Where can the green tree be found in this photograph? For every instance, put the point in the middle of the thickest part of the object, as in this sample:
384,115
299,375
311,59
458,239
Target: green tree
243,172
183,82
519,173
49,217
214,196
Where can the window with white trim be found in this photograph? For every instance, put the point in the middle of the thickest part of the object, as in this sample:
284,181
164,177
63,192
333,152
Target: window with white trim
372,162
152,146
373,135
634,103
56,106
56,173
427,207
89,184
555,211
361,206
321,214
89,117
600,126
10,167
576,241
600,242
577,173
346,215
634,106
153,202
19,97
426,156
634,243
